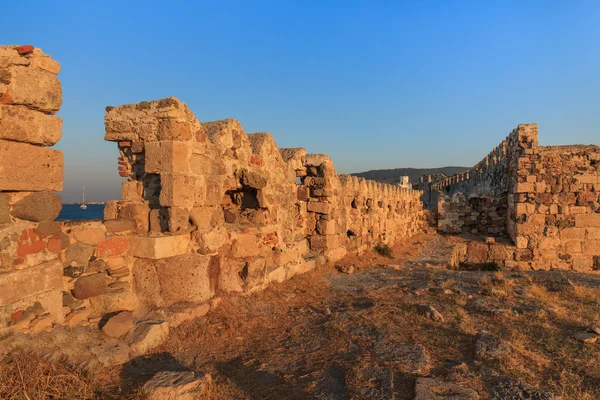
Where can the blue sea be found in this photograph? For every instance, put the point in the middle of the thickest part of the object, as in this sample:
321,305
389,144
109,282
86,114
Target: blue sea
73,212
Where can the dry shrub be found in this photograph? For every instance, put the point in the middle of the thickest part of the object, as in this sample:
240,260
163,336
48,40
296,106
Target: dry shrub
384,249
541,294
25,376
587,294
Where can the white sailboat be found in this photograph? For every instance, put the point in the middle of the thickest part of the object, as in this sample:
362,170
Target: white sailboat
83,206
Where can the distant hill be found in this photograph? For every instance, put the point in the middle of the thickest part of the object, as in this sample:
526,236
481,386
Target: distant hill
393,175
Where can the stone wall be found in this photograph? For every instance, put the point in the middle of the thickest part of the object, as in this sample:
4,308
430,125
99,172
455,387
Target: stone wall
206,210
249,212
476,201
478,215
30,172
557,207
551,201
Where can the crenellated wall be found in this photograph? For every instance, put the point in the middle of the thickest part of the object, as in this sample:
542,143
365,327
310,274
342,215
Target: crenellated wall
245,211
206,210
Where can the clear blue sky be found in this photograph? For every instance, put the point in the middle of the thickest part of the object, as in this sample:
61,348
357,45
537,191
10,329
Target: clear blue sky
374,84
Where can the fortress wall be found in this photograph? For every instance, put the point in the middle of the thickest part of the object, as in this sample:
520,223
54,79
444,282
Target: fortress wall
253,213
30,172
551,203
476,201
557,208
206,210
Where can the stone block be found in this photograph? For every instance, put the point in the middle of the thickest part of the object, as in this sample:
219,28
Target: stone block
245,245
319,207
593,233
26,167
476,252
114,300
178,190
179,220
586,220
583,264
111,209
322,242
527,187
90,286
118,325
170,129
38,207
572,233
157,247
113,247
132,191
30,281
35,88
78,254
167,157
184,279
325,227
20,124
572,246
591,247
148,335
4,208
587,179
89,234
118,225
138,214
177,385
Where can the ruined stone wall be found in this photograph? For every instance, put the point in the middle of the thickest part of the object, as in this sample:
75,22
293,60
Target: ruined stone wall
476,201
30,172
552,202
481,215
247,212
557,207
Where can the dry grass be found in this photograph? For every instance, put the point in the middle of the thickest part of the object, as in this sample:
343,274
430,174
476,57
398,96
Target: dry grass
23,376
280,343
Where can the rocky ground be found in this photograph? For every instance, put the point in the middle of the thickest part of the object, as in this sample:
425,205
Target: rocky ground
372,327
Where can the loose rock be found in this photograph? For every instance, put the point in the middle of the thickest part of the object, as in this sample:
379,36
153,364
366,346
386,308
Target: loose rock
171,385
118,325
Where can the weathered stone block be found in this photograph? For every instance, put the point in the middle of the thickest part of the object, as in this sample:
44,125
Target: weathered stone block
89,234
20,124
30,281
156,247
318,207
591,247
184,279
477,252
35,88
118,225
118,325
167,157
132,191
26,167
325,227
113,247
178,190
169,129
587,220
4,208
245,245
38,207
138,213
90,286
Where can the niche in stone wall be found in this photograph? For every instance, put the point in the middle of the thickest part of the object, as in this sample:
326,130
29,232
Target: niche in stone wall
151,184
243,204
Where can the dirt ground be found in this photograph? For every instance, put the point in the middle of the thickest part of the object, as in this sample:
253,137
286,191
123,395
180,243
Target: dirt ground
374,332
